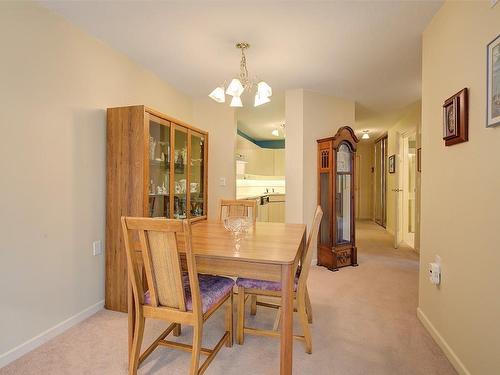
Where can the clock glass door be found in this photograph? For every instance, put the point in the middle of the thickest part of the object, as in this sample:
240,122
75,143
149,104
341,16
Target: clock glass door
343,198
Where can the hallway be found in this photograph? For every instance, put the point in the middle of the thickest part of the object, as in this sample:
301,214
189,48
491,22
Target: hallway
364,323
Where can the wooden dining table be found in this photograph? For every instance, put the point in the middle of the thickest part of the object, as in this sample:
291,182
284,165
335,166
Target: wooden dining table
268,251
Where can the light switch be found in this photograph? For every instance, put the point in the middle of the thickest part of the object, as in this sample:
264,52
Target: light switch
97,248
222,181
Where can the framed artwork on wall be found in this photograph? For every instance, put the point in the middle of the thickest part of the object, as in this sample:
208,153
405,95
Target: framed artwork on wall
419,159
493,83
456,118
392,163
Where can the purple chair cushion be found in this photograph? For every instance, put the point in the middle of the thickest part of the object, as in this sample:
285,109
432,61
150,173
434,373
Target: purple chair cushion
272,286
212,289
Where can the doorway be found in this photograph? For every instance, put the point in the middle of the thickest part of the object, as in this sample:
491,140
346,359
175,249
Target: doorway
407,181
380,183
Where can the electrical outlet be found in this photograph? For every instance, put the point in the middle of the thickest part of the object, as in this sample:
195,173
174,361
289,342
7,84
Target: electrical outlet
97,248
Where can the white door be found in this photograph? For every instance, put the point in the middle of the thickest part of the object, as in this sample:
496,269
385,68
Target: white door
397,192
409,188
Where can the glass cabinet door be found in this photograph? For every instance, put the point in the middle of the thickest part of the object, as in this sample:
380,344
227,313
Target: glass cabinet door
197,175
159,167
180,173
343,193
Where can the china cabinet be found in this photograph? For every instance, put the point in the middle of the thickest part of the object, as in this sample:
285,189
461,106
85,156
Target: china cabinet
156,167
336,240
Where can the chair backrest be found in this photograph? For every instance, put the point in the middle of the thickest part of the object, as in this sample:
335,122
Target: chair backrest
240,207
310,245
159,243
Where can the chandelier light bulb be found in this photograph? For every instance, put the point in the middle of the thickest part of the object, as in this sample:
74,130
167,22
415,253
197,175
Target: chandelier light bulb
218,95
235,88
236,102
259,100
264,90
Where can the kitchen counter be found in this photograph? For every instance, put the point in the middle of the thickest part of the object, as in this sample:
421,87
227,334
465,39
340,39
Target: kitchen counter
264,194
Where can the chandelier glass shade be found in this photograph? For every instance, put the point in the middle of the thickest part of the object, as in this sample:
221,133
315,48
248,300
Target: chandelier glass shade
242,84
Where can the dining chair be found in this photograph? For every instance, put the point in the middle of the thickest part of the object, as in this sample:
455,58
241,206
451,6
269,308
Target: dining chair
154,250
239,207
256,288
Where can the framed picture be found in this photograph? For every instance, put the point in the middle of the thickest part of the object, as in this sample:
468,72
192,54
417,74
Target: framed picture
392,163
456,118
419,159
493,83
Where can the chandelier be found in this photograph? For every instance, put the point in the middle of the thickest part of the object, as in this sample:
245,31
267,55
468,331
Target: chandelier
242,84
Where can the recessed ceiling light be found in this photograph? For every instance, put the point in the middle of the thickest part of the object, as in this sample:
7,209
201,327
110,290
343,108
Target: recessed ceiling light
365,134
275,132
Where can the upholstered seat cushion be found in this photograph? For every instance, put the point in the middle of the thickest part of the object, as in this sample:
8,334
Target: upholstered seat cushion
272,286
212,289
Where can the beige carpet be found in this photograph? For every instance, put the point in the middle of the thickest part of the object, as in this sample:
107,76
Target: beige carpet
364,323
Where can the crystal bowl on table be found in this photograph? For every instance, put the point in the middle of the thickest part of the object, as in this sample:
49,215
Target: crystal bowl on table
237,225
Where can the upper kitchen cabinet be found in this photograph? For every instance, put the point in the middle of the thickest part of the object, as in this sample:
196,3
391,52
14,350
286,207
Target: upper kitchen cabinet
279,162
156,167
260,161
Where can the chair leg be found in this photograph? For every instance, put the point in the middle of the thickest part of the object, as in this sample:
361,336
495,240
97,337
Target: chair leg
133,361
309,308
253,306
177,330
195,354
301,308
229,321
240,321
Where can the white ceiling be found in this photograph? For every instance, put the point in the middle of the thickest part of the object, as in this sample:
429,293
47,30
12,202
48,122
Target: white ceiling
367,51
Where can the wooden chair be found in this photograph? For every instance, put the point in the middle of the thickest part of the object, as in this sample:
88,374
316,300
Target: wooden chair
172,295
256,288
240,207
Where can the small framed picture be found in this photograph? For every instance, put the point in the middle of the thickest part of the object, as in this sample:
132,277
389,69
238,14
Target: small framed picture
419,159
456,118
392,164
493,83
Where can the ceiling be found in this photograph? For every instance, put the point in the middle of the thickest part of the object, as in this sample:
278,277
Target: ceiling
367,51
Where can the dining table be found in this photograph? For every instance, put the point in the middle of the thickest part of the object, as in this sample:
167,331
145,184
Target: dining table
267,251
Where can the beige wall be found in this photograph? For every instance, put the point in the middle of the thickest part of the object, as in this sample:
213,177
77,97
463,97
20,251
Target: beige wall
309,116
220,122
294,163
56,85
460,192
365,194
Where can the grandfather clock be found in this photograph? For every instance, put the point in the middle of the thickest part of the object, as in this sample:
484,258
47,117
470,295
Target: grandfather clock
337,240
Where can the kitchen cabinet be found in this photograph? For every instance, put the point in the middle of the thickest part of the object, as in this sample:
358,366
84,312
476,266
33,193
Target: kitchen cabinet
276,209
261,161
279,162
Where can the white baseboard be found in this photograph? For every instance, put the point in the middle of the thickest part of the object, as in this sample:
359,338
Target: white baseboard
20,350
448,351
